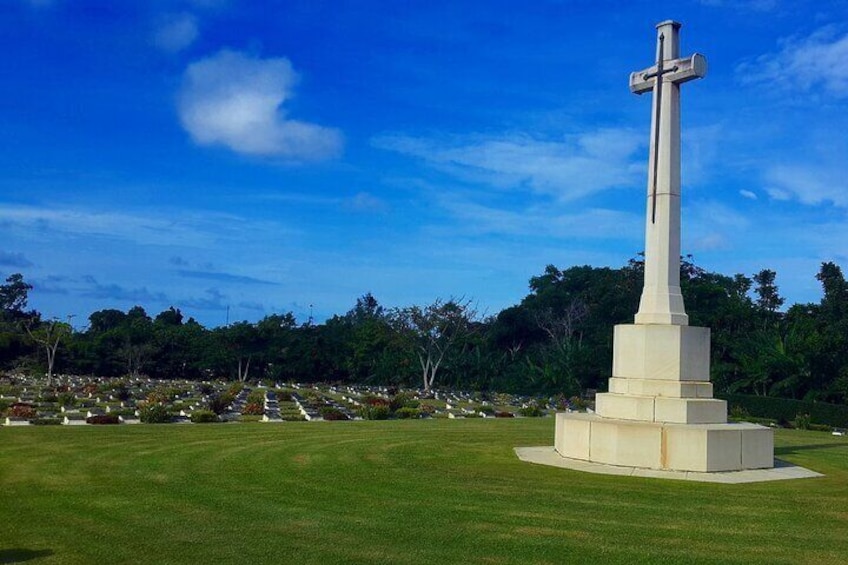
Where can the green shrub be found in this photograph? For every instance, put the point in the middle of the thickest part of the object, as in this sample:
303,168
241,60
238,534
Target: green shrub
408,412
155,414
374,411
292,417
487,410
47,421
218,403
786,409
402,400
203,416
331,413
801,422
256,397
531,411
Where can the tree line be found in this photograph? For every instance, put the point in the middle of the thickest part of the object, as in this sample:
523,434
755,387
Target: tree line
557,340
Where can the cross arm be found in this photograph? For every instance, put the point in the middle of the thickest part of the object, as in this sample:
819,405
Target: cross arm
676,71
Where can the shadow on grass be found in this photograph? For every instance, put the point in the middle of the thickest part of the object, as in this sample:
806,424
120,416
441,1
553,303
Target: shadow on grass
21,555
785,450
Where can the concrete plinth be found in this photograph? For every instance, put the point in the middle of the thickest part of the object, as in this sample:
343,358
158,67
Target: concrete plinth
664,446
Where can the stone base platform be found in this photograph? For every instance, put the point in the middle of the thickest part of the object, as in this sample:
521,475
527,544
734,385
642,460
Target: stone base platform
701,448
547,455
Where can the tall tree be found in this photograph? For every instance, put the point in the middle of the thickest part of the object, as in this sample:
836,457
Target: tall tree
48,335
433,331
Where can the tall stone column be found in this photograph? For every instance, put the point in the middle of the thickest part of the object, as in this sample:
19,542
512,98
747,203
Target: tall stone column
662,302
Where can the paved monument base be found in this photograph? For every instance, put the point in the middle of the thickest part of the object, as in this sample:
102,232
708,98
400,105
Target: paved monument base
547,455
703,448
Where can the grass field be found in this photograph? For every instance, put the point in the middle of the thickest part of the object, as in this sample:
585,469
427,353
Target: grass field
432,491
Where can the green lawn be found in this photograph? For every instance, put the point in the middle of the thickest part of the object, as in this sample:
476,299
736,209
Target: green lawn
433,491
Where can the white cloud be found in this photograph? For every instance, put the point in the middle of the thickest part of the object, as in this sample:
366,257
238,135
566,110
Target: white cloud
591,223
365,202
175,32
750,195
810,184
573,168
237,100
201,230
709,225
817,61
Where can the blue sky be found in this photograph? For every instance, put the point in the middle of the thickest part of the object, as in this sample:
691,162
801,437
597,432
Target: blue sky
265,156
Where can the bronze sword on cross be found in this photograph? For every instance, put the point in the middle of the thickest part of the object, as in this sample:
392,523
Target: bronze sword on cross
675,71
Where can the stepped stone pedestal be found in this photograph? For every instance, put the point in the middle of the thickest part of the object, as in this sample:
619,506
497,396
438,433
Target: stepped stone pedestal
660,413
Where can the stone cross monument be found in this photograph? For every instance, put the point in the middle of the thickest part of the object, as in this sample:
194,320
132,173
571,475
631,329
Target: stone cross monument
660,412
661,301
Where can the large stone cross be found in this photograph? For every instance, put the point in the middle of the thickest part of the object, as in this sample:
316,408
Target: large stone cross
661,301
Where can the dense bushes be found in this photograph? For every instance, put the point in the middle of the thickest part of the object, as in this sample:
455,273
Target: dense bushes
331,413
786,410
203,417
155,414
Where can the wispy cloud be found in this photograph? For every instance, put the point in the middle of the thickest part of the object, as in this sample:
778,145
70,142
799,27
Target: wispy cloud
13,259
591,223
710,225
175,32
153,227
819,61
117,292
222,277
213,299
577,166
236,100
811,184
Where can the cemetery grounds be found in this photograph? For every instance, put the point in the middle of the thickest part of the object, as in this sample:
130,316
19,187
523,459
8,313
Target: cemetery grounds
440,489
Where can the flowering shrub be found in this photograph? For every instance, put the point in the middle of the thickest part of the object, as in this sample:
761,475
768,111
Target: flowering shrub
21,411
375,401
253,409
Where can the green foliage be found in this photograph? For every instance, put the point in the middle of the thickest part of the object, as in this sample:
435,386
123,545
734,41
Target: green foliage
47,421
256,397
786,410
204,417
407,412
155,414
374,411
331,413
219,402
531,411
